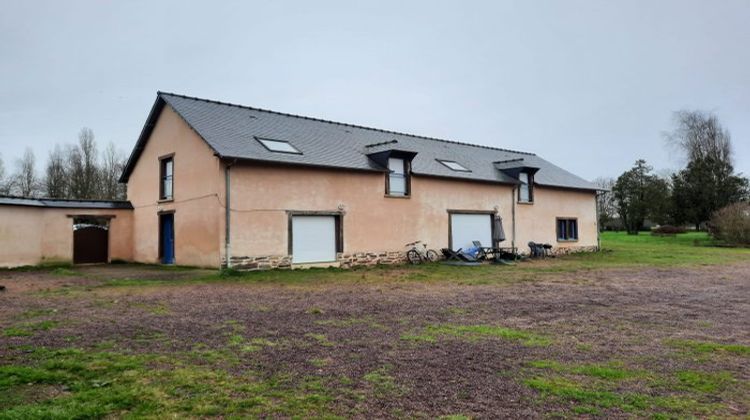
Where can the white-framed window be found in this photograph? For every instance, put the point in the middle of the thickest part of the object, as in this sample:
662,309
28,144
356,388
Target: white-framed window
526,189
279,146
398,177
166,173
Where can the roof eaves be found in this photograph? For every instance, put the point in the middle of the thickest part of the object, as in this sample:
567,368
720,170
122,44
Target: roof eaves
148,127
463,178
64,203
301,164
216,152
567,187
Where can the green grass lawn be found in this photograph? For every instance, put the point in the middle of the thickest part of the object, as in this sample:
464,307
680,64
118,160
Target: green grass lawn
687,369
618,250
693,248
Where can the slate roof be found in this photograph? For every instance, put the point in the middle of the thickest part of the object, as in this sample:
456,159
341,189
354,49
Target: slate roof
230,130
59,203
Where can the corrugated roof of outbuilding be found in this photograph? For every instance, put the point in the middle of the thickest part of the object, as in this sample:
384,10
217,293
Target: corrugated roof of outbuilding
9,200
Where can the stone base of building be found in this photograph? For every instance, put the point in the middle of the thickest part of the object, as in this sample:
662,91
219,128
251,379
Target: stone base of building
358,259
573,250
266,262
366,259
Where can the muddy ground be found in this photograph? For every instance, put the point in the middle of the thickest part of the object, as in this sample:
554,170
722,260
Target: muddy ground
627,317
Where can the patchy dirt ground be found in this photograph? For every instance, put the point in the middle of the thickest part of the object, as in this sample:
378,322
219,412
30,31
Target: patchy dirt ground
615,342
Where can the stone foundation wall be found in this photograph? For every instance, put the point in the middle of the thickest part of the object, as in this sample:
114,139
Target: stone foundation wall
361,259
261,263
557,250
573,250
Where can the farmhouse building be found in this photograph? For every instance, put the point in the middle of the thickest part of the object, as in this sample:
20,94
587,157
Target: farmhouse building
211,182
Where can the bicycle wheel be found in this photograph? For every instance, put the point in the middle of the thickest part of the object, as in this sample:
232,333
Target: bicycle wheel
413,256
432,255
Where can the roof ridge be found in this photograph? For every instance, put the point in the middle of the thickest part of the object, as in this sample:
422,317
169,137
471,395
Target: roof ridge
159,93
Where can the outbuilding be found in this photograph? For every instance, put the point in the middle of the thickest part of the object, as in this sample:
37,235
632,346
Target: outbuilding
34,231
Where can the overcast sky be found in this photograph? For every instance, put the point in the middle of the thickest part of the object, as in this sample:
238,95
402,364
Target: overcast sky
588,85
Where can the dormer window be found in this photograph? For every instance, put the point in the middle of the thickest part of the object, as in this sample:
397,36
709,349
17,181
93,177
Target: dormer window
278,146
454,166
398,181
526,188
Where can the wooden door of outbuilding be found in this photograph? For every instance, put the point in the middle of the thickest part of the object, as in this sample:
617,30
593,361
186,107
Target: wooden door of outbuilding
90,244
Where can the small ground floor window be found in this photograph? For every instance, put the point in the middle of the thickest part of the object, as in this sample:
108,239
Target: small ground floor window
567,229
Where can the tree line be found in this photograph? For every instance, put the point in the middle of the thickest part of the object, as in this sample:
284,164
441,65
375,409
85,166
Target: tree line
74,171
690,196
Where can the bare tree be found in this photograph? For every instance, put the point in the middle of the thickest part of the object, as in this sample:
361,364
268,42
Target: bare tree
113,162
25,180
4,183
606,201
700,136
83,170
56,176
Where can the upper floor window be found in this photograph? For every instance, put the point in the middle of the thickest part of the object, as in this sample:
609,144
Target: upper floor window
567,229
166,174
453,165
279,146
398,177
526,189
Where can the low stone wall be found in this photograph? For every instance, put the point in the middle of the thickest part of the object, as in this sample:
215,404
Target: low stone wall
362,259
261,263
573,250
358,259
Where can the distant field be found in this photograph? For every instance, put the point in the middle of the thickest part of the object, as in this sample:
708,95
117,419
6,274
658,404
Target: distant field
693,248
650,327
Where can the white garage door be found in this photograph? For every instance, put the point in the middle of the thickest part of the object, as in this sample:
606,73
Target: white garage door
313,239
466,228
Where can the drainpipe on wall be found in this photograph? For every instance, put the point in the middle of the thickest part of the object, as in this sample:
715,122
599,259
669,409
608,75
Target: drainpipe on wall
227,214
513,214
598,227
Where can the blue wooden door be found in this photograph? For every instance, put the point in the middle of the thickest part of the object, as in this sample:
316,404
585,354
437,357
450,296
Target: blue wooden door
167,239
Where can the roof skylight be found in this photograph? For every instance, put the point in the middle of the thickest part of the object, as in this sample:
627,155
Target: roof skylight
280,146
455,166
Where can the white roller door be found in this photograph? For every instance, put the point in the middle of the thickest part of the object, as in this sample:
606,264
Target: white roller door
466,228
313,239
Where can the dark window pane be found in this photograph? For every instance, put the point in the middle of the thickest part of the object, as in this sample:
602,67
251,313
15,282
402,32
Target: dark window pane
567,229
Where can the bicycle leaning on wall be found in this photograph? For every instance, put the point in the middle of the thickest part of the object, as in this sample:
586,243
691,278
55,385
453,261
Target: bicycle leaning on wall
418,253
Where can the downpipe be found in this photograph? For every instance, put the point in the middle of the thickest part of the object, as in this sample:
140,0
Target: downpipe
228,213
